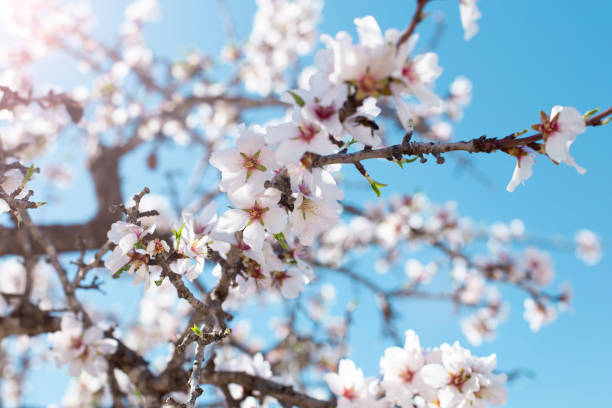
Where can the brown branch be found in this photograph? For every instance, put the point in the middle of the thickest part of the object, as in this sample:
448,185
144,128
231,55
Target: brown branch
285,394
482,144
416,19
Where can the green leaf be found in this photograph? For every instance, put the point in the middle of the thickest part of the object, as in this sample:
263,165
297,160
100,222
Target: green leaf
159,282
375,186
297,98
196,330
350,142
40,203
27,177
519,133
606,121
280,237
177,235
591,113
120,271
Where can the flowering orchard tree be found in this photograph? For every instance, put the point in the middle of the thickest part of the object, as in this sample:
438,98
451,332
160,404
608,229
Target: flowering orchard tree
268,222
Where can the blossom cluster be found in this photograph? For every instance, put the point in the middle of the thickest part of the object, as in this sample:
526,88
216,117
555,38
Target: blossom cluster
446,377
84,348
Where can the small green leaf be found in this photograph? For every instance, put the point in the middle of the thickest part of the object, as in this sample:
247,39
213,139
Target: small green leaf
606,121
196,330
27,177
297,98
159,282
40,203
375,186
591,113
350,142
120,271
519,133
280,237
177,235
227,332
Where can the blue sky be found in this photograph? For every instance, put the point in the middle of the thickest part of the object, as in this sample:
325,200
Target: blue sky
527,57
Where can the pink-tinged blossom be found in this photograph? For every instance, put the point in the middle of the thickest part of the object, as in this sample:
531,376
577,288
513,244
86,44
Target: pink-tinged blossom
400,368
463,380
351,388
469,15
416,75
418,272
523,169
303,134
246,166
126,235
366,66
538,314
255,215
323,108
588,247
83,349
559,132
316,204
539,266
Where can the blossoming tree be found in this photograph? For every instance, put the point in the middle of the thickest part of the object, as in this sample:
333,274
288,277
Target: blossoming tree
268,221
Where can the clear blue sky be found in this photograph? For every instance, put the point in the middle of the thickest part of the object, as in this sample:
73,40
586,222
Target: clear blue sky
527,57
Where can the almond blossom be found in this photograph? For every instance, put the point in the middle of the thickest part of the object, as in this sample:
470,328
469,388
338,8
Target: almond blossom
401,370
352,389
588,247
304,134
469,15
559,132
245,167
83,348
255,215
523,169
366,66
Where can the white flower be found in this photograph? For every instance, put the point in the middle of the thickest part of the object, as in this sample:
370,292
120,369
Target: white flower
416,75
352,389
126,235
255,215
245,167
303,134
82,349
539,266
538,314
588,247
469,15
368,65
400,368
559,132
523,169
416,271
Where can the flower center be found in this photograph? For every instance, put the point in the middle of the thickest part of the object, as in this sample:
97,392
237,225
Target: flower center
367,83
76,343
256,212
407,375
409,72
324,112
459,379
278,278
307,132
349,393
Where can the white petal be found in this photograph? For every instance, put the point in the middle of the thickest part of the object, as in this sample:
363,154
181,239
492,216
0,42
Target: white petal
232,220
275,219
